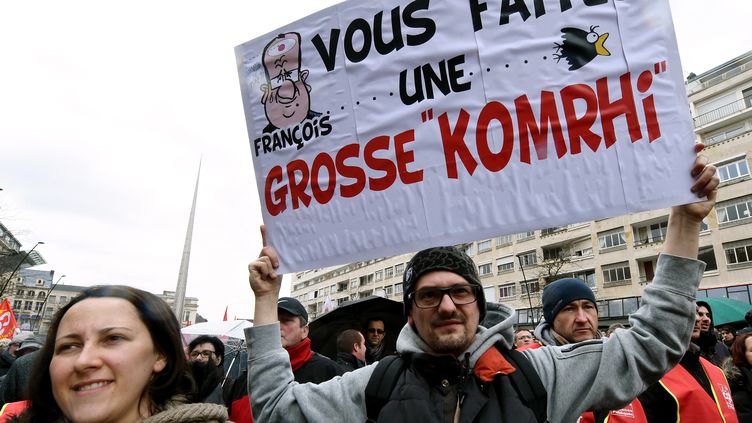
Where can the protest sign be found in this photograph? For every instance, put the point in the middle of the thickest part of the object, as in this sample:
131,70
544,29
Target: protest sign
378,128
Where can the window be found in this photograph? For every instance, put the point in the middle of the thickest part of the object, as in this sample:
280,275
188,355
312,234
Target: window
533,286
529,259
526,235
388,272
733,169
63,299
379,275
648,234
399,269
28,305
734,210
398,288
503,240
738,252
704,226
366,279
38,307
707,255
341,286
484,269
505,264
17,304
554,253
388,290
611,239
484,246
616,273
507,291
354,283
723,136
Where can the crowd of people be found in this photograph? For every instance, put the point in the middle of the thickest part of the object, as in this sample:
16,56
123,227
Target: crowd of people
458,358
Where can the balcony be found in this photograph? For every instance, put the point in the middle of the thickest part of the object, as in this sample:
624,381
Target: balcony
724,111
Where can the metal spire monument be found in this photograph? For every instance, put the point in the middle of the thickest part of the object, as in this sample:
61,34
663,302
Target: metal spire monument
183,275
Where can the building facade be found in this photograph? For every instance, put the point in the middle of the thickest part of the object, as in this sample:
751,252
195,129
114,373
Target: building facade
615,256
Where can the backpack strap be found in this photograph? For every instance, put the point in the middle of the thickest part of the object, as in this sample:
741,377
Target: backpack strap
382,382
526,382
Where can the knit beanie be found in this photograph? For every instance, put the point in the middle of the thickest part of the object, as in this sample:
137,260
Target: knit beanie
441,258
559,293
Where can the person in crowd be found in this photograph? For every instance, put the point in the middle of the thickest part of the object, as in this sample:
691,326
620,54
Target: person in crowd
351,350
8,356
738,370
206,355
693,391
748,319
570,315
376,348
307,365
452,359
711,348
15,384
522,338
114,353
728,335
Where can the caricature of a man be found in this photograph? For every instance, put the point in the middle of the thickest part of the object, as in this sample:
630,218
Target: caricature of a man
285,96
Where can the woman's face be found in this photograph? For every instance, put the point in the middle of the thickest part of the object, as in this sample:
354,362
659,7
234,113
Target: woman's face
748,350
103,359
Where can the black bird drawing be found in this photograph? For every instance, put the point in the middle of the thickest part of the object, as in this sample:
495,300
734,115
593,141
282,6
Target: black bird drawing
580,47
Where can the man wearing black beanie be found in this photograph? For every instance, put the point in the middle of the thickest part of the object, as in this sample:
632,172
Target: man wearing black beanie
569,312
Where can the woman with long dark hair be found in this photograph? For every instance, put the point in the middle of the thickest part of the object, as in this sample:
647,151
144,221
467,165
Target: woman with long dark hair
739,374
114,353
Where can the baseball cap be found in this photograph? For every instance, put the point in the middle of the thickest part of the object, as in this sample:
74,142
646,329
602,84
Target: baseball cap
292,306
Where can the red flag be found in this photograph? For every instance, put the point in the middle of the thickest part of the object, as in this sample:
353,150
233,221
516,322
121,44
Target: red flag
225,318
7,321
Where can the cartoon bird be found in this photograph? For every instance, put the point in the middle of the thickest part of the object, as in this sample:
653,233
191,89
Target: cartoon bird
580,46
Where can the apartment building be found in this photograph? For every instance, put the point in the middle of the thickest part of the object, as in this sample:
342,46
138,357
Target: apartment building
615,256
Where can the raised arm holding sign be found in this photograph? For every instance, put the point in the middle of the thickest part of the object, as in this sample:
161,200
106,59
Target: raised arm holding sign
455,368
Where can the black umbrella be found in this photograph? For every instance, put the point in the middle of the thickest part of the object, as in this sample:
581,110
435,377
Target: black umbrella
354,315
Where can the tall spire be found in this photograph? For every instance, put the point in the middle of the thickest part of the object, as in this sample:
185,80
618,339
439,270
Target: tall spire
183,275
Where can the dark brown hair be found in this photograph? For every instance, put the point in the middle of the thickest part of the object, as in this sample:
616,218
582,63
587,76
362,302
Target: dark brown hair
165,335
739,351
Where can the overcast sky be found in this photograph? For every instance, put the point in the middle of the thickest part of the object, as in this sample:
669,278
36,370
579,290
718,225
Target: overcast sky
106,109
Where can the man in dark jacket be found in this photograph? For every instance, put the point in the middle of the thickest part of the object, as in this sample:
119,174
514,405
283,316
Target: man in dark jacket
207,353
307,365
351,350
711,348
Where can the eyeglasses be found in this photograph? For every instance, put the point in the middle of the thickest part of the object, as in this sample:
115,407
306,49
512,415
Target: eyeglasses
374,330
431,297
205,354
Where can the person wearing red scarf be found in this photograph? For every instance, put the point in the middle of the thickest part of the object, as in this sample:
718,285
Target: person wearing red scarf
307,365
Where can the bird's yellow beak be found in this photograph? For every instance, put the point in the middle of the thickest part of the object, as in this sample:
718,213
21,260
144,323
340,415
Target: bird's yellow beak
599,48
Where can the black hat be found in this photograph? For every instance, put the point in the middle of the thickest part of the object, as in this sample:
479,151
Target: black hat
561,292
441,258
292,306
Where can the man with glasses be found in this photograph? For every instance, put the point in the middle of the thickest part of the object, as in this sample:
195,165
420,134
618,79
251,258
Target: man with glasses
376,348
455,370
205,357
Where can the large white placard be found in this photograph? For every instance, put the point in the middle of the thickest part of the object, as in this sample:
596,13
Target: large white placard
378,128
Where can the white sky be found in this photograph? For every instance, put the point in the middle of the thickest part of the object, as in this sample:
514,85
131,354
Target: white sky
107,107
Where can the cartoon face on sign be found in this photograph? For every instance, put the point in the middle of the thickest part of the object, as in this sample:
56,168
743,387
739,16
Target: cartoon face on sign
285,95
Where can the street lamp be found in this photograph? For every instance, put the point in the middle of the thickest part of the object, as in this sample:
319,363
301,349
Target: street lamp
5,285
40,315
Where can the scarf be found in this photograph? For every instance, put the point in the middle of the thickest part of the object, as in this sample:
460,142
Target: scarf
374,353
300,354
560,340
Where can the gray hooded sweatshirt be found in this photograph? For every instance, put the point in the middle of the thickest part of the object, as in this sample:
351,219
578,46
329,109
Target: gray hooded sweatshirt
577,377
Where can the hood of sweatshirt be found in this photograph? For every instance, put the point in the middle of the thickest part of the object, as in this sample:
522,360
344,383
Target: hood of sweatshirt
500,320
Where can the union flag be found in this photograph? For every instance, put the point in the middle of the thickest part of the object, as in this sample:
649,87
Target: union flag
7,321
